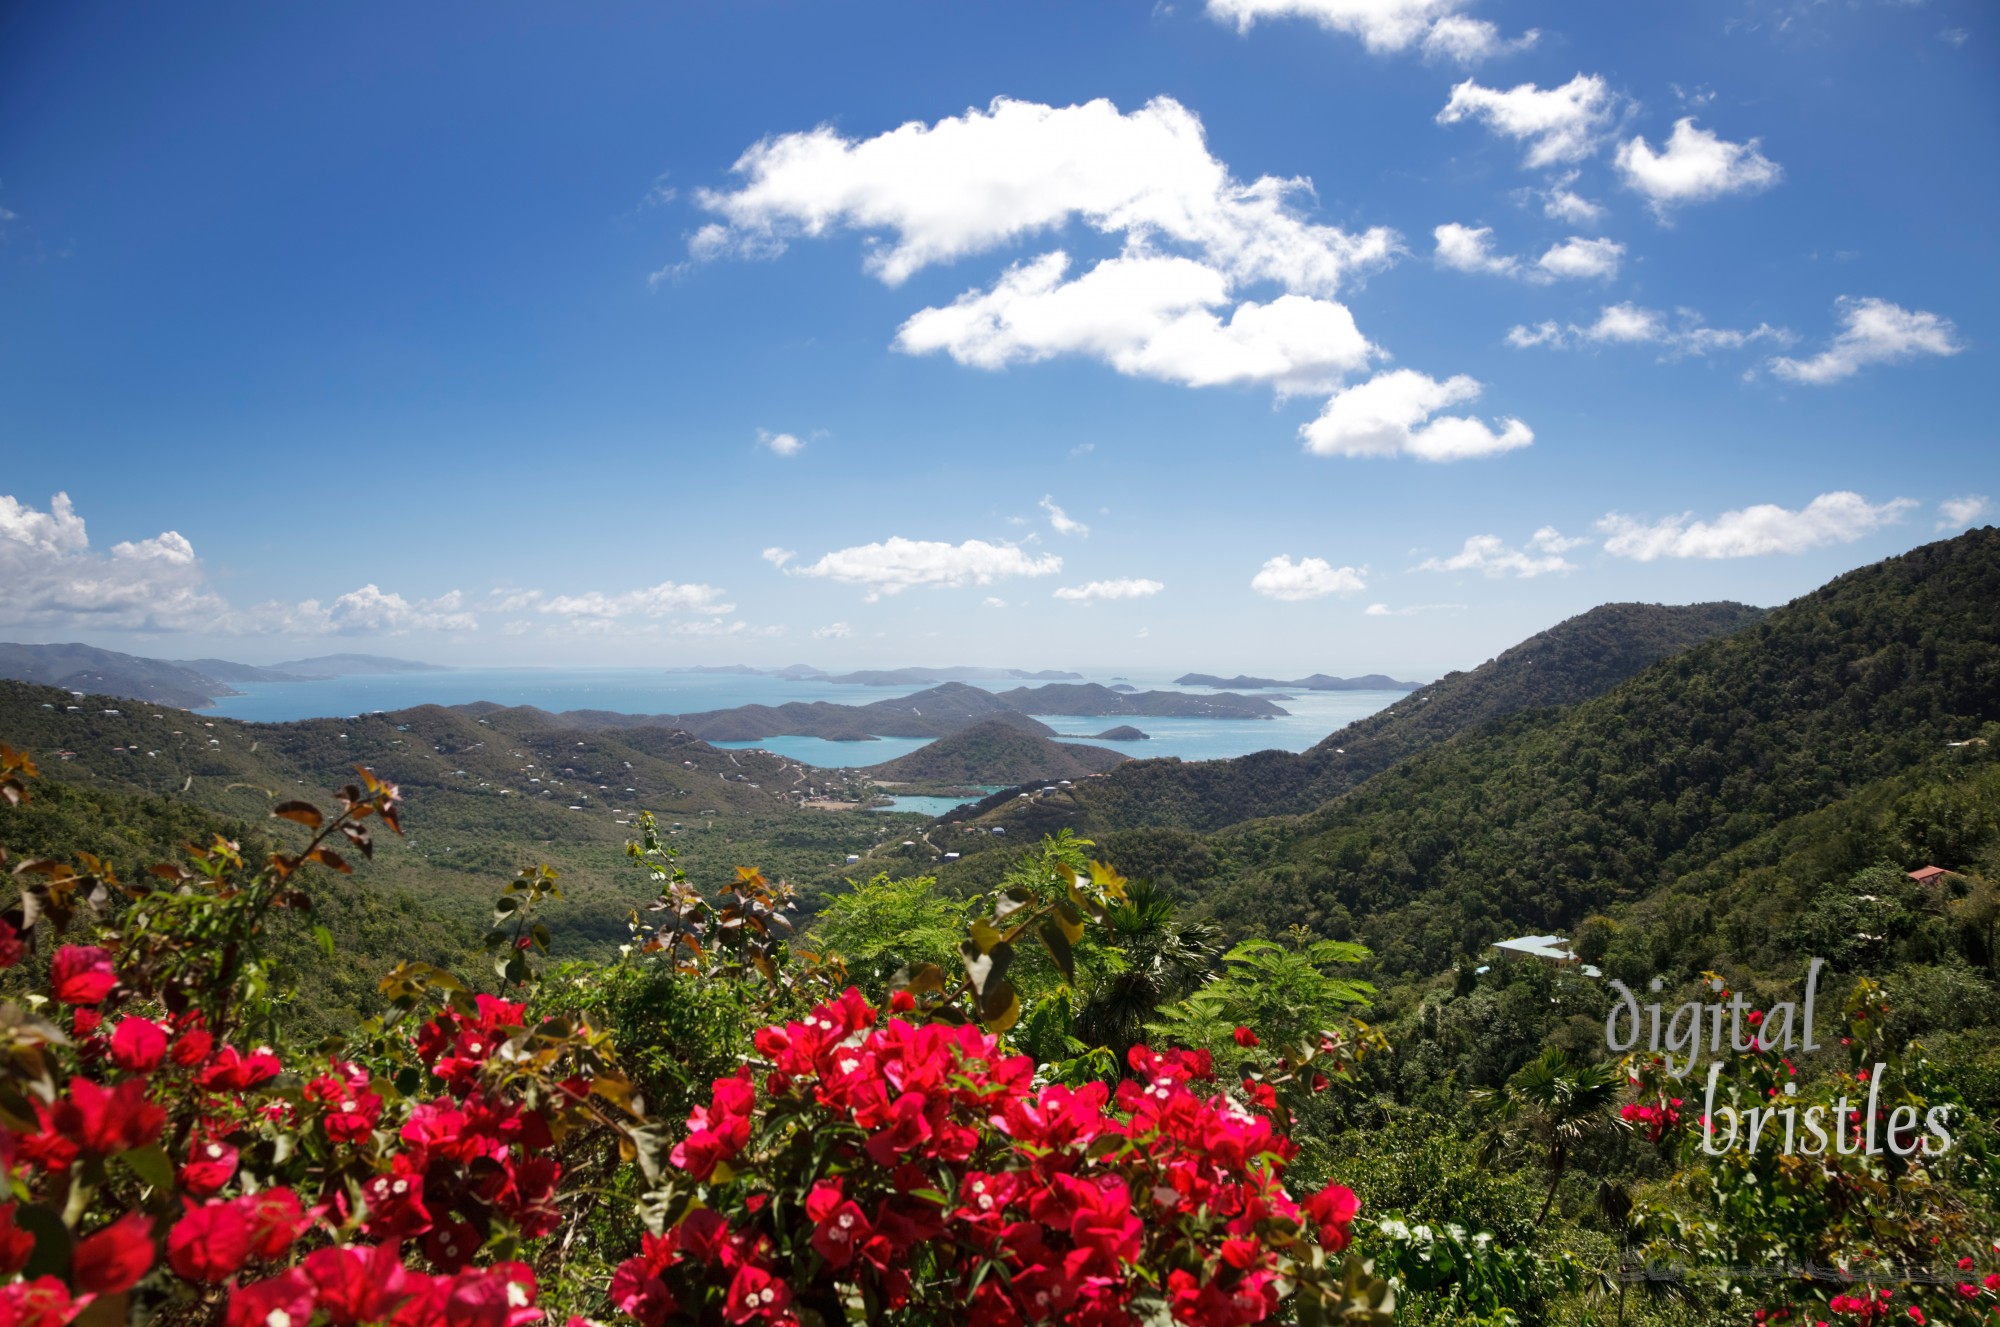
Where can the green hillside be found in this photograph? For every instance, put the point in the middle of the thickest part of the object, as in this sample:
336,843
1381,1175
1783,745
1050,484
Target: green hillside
1574,660
1533,821
996,752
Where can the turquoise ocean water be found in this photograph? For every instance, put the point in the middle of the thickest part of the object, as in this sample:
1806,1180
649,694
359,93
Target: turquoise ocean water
1312,714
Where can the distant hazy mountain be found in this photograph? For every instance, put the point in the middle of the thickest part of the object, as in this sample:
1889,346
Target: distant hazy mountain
897,677
1092,699
76,667
1317,682
349,665
223,670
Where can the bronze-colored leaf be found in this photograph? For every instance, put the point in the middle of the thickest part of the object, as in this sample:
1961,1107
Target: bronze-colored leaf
1053,940
305,813
328,857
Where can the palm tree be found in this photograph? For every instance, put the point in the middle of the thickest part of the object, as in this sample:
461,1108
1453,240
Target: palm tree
1165,959
1557,1104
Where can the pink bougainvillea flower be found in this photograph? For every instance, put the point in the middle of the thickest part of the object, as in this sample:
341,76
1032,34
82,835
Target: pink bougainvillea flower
285,1300
210,1243
111,1261
138,1045
12,951
209,1166
358,1283
81,974
1245,1037
103,1121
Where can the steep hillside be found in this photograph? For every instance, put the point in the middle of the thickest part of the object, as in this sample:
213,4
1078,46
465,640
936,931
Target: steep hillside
996,752
487,793
1530,822
1571,661
107,672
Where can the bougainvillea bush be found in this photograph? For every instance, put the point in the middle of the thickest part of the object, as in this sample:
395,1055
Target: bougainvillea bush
171,1158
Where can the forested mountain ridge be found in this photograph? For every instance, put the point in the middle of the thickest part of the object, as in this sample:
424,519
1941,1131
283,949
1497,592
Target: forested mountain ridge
1571,661
1531,822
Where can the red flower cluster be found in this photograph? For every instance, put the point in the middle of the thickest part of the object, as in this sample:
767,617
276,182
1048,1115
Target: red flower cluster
937,1171
1655,1117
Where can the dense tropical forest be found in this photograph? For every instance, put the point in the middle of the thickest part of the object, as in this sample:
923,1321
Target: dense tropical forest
1232,1040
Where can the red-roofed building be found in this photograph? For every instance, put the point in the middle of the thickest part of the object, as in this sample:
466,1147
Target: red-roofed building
1928,875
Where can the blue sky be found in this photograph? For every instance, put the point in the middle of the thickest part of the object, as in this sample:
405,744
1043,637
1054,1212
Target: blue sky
1282,335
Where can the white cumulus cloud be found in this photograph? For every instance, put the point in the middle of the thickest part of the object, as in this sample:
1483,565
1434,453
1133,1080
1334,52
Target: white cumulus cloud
1061,520
991,177
1129,588
1830,518
1392,414
1174,303
1557,125
1384,26
1490,556
1151,317
653,601
1470,249
1872,331
1631,324
899,564
776,556
833,631
783,444
1308,578
1694,166
1958,513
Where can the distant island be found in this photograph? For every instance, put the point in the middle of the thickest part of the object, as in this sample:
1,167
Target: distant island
1124,732
188,684
1317,682
942,710
995,751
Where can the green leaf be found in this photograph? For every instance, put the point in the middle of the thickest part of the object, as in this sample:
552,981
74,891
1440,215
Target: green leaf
50,1255
151,1165
325,938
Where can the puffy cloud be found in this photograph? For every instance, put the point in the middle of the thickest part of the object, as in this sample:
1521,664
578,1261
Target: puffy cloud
1391,415
1557,124
1577,258
1490,556
776,556
1695,167
833,631
1063,522
1130,588
783,444
1958,513
50,577
1873,331
1469,249
653,601
985,179
1631,324
1466,249
1150,317
1830,518
1472,40
1384,26
992,601
898,564
1308,578
372,611
1560,202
